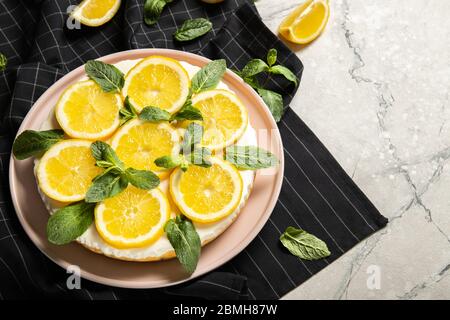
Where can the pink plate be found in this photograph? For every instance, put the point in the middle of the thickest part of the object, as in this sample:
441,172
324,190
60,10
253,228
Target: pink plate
95,267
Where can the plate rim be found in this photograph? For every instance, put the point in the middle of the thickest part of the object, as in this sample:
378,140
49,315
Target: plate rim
208,268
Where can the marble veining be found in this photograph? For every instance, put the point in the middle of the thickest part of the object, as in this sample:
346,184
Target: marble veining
383,67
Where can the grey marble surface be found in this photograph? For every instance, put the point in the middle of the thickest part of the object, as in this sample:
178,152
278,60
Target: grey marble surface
376,92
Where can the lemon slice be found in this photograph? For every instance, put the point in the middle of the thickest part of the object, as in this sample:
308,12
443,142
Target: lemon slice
158,82
207,194
306,22
66,170
139,143
94,13
132,219
84,111
225,118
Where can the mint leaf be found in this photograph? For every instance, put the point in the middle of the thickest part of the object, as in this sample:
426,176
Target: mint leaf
3,62
192,29
209,76
188,112
271,57
70,222
192,137
107,76
153,9
170,162
250,157
142,179
154,114
304,245
128,111
101,151
288,74
274,101
185,240
30,143
106,186
254,67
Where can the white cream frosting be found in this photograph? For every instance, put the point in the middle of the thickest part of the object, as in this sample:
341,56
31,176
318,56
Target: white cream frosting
162,247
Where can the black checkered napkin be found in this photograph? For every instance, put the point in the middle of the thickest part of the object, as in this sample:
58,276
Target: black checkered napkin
317,194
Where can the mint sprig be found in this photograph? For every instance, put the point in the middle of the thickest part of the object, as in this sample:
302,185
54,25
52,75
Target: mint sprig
253,70
257,66
190,153
116,177
155,114
70,222
31,143
128,111
103,153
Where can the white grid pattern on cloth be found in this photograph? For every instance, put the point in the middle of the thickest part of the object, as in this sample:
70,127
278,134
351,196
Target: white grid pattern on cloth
326,173
52,53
